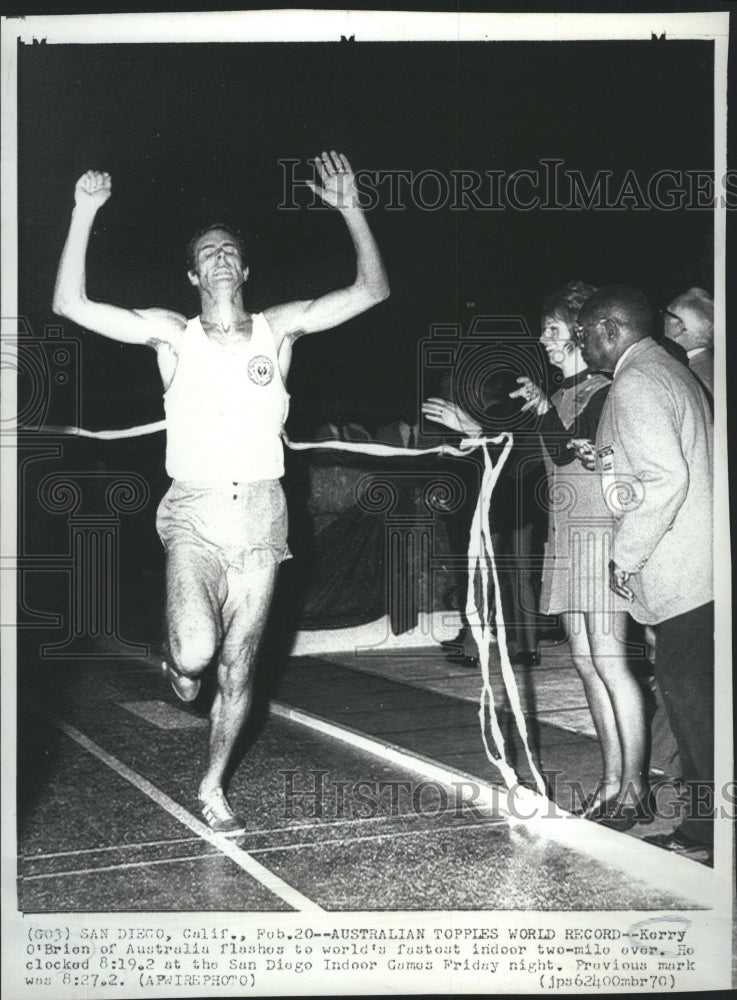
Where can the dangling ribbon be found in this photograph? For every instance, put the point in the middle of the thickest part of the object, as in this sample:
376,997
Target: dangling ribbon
480,557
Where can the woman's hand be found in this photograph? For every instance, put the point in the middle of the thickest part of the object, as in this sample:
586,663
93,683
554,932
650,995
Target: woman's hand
442,411
533,394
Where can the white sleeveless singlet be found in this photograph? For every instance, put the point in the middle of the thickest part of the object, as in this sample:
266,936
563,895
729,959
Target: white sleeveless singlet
225,409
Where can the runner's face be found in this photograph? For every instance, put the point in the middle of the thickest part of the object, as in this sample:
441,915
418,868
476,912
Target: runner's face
217,261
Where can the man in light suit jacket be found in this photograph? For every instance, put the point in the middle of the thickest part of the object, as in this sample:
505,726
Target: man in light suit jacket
654,452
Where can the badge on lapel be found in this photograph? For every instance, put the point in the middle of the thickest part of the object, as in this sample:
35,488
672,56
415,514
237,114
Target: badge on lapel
606,457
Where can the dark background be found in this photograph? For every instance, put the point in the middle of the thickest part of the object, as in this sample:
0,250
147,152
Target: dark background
194,133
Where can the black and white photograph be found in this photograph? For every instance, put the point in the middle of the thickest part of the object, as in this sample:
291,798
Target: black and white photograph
366,583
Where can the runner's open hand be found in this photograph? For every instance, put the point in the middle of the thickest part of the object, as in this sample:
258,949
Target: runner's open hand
338,188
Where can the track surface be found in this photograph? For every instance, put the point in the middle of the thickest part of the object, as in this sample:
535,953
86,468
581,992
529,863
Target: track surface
108,818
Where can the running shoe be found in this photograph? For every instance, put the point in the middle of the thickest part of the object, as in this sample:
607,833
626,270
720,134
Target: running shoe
218,815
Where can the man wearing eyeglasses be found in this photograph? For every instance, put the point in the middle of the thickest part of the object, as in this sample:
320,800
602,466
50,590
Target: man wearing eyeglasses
654,452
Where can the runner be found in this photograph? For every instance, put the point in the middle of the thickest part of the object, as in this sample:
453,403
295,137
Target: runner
223,521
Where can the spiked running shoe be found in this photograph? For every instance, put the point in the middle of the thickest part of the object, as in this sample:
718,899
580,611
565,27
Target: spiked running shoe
218,815
185,688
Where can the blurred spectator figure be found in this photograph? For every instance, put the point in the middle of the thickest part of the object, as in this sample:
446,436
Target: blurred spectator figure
689,322
334,475
426,582
513,509
514,512
404,432
348,577
344,577
462,646
337,428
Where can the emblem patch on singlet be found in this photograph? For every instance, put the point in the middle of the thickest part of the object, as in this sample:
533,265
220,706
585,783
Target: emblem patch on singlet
261,369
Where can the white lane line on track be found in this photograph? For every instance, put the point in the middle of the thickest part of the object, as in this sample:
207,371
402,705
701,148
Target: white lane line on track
257,871
486,793
326,824
271,849
135,845
63,873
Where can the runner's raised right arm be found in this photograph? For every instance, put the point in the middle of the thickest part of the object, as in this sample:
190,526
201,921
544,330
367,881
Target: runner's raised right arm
150,327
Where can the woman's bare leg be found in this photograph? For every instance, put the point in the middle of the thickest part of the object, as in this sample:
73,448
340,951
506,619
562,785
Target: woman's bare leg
606,632
599,702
